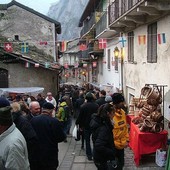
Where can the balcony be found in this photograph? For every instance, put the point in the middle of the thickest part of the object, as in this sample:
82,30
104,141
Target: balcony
92,52
88,25
102,30
126,15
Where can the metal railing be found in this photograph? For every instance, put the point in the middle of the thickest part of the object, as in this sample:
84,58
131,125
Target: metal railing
101,25
120,7
87,24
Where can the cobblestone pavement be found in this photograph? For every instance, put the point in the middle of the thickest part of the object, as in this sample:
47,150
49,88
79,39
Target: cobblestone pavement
72,157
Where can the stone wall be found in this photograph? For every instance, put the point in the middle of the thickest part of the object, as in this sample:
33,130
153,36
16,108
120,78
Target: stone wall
19,76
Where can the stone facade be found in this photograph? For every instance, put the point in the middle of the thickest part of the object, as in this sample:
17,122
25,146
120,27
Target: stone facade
29,28
19,76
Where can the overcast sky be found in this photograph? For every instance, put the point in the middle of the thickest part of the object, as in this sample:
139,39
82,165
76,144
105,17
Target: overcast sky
41,6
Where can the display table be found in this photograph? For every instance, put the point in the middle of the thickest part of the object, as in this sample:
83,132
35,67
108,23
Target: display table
145,142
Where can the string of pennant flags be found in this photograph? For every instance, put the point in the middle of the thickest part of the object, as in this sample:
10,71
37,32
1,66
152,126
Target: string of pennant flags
83,43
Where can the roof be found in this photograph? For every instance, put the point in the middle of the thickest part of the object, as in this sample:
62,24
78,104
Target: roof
6,57
13,2
91,6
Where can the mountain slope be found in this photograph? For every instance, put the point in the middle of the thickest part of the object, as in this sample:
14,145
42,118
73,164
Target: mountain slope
68,13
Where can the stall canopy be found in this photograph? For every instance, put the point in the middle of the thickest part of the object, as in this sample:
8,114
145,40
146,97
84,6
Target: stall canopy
21,90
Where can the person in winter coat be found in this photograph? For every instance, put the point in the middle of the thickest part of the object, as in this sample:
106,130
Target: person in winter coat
102,136
86,110
101,99
27,131
120,131
62,115
50,133
13,147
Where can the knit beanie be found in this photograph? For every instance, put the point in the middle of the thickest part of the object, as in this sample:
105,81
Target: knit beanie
108,99
5,112
117,98
89,96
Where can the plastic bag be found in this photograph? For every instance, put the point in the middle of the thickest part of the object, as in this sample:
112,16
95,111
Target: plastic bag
76,133
160,157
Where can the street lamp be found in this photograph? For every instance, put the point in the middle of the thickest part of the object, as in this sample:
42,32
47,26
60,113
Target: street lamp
116,52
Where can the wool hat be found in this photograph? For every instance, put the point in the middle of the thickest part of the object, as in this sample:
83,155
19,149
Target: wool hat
48,106
5,112
89,95
117,98
108,99
4,102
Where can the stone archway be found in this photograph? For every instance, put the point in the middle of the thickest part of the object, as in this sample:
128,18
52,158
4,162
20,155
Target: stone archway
3,78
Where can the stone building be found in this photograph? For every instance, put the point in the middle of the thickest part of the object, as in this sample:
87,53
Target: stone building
24,28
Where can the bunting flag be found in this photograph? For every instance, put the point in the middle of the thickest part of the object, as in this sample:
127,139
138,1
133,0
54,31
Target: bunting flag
161,38
102,43
8,47
24,47
47,64
27,64
63,46
142,39
36,65
43,43
123,41
82,45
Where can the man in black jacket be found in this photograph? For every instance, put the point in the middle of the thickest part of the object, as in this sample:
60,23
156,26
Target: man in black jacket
101,100
50,133
84,118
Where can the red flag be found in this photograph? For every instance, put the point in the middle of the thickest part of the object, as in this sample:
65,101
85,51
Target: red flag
63,46
102,43
43,42
82,45
8,47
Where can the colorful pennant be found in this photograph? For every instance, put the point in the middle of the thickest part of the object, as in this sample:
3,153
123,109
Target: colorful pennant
24,47
142,39
82,45
43,43
8,47
123,41
102,43
36,65
27,64
161,38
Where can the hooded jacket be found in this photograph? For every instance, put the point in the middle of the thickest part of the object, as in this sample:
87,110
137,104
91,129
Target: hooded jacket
102,137
60,113
120,131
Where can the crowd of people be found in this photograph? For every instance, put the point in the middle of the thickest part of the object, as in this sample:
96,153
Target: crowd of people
31,128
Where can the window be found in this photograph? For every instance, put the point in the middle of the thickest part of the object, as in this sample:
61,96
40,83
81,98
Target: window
108,60
131,46
152,43
16,37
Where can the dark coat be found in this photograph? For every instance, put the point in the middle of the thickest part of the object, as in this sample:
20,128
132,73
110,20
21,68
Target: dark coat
102,137
50,133
101,101
28,132
86,110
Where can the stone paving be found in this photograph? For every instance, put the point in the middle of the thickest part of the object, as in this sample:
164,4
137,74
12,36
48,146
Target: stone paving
72,157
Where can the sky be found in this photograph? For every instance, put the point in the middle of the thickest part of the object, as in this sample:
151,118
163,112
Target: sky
41,6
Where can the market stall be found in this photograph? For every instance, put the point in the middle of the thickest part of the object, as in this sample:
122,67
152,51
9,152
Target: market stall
146,120
32,91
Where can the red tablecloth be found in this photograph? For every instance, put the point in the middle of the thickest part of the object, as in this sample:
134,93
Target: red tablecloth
145,142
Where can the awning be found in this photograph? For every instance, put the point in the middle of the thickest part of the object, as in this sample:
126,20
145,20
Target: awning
21,90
